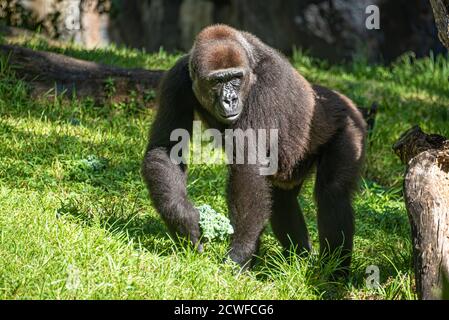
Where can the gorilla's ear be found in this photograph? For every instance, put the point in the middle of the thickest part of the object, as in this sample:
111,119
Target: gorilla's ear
226,74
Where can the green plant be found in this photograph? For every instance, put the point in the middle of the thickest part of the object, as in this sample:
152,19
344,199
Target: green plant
213,224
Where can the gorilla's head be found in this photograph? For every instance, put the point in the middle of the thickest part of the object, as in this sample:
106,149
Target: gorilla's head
221,74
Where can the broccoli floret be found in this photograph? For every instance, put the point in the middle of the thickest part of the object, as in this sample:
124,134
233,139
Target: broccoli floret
213,224
85,169
94,163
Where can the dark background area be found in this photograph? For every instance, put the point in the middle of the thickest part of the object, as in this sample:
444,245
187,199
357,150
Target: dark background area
330,29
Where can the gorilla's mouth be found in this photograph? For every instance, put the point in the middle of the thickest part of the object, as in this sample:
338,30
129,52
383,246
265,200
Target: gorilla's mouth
229,117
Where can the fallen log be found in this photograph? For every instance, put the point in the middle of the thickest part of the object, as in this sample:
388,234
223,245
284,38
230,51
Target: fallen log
52,73
426,192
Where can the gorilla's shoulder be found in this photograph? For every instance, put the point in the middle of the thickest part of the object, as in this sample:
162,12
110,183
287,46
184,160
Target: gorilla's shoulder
177,80
180,70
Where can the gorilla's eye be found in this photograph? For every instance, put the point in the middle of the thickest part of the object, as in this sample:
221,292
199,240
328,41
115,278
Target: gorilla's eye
235,82
216,85
214,82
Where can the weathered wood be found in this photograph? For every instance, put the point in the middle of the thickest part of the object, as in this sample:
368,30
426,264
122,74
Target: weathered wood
55,73
441,14
426,191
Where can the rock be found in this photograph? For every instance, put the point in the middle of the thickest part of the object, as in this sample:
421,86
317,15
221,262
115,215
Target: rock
330,29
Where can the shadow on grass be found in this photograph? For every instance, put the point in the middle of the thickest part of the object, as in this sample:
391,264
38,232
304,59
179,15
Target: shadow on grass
127,221
113,197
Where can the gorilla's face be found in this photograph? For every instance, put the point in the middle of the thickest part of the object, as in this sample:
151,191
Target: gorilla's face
222,93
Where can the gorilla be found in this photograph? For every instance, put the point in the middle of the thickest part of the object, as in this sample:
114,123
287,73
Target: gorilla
232,80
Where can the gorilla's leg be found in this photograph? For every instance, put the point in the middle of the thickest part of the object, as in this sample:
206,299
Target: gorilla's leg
337,177
287,220
250,207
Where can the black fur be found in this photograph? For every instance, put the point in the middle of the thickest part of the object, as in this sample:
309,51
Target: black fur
317,127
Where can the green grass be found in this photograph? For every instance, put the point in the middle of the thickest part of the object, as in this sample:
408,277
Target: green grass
70,231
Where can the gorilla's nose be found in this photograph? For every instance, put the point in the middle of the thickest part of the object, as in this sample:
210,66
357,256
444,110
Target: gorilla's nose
229,108
229,104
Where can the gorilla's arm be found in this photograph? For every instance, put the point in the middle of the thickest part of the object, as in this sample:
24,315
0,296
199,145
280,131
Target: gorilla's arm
250,206
166,181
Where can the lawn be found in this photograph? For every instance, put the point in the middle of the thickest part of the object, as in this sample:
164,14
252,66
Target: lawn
76,221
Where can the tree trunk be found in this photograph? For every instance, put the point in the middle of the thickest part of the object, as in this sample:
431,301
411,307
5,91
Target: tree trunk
426,191
46,71
441,14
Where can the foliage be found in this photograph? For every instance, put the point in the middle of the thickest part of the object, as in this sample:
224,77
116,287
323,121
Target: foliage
85,168
213,224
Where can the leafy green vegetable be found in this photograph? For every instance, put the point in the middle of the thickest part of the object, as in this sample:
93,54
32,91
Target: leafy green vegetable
84,169
213,224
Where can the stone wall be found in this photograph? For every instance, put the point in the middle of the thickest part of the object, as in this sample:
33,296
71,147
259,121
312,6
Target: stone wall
83,21
331,29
